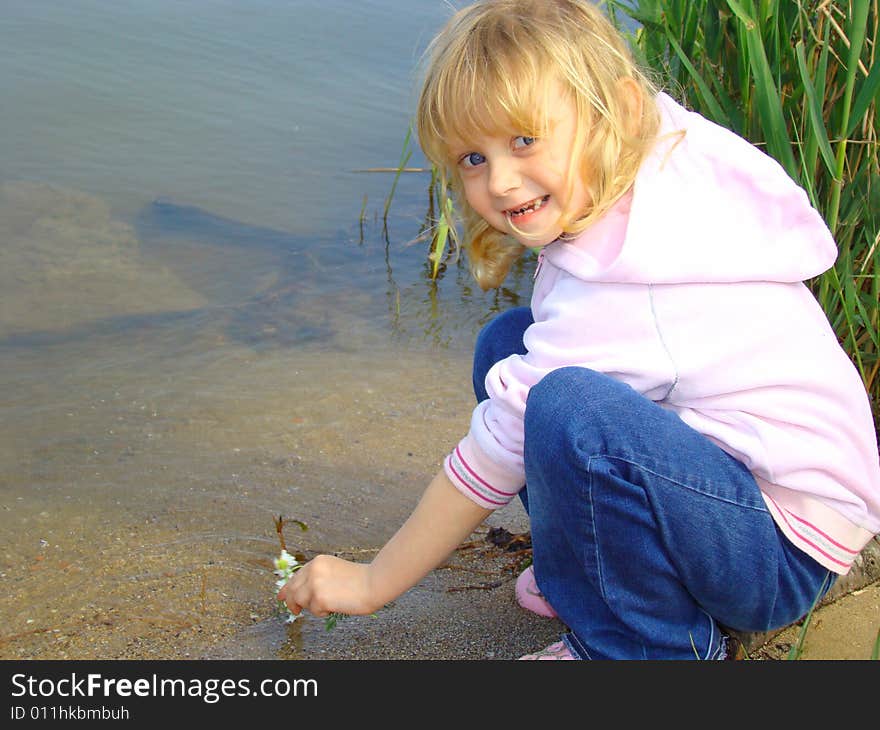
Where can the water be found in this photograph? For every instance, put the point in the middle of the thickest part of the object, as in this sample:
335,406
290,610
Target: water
204,320
258,110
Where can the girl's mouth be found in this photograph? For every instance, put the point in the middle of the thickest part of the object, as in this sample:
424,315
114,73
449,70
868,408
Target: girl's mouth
531,207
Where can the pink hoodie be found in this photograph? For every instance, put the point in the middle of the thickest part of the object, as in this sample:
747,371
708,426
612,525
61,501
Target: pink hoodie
645,296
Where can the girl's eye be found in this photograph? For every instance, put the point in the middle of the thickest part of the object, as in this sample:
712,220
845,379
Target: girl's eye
522,141
471,159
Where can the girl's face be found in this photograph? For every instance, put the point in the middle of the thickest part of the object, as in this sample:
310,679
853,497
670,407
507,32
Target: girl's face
519,184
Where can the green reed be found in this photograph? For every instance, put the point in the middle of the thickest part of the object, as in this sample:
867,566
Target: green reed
797,78
405,154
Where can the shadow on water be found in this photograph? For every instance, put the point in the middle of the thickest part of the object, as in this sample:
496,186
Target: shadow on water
237,324
163,217
272,317
307,290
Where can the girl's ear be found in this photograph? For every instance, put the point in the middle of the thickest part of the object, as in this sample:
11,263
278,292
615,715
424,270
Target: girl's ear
631,98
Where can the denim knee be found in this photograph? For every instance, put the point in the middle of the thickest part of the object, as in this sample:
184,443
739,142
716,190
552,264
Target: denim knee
573,391
499,339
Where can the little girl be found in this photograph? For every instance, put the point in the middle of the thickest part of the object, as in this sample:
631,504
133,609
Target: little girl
698,450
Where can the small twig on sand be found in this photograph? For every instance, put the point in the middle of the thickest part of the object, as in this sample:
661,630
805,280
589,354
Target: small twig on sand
279,528
478,587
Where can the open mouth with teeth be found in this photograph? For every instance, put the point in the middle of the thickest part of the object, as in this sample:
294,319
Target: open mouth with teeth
530,207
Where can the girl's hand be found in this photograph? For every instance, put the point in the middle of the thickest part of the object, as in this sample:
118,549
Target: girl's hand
440,521
327,584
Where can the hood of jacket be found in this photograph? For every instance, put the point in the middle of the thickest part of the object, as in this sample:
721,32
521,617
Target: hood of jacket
706,206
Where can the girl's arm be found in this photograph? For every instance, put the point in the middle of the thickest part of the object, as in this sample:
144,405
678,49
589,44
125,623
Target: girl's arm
441,520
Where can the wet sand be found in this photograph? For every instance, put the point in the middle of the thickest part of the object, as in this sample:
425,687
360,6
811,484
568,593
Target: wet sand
140,515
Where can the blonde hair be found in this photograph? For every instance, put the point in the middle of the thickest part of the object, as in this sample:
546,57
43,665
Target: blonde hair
491,70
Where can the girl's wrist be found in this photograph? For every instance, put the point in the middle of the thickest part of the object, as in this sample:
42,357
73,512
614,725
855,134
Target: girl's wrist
376,595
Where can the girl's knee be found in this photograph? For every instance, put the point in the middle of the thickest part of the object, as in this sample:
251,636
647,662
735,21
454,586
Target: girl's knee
579,406
553,403
559,393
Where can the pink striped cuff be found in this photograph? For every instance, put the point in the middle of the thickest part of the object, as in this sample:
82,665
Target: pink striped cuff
472,485
816,542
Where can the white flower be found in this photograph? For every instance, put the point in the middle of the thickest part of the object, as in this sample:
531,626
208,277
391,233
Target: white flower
285,566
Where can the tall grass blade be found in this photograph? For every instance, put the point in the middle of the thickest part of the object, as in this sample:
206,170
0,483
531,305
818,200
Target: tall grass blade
820,135
810,149
798,648
766,93
742,13
867,95
707,96
405,154
857,31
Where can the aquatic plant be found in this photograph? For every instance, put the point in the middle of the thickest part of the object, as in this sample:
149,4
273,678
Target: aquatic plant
405,154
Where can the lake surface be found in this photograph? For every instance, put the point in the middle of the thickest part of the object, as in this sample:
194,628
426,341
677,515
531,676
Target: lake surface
205,320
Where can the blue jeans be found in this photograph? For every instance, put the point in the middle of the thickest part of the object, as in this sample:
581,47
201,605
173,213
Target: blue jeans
646,536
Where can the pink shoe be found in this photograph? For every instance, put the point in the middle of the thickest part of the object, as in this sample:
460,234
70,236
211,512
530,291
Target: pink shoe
529,597
555,651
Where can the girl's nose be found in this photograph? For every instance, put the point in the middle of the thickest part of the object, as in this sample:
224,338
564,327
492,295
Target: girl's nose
503,177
